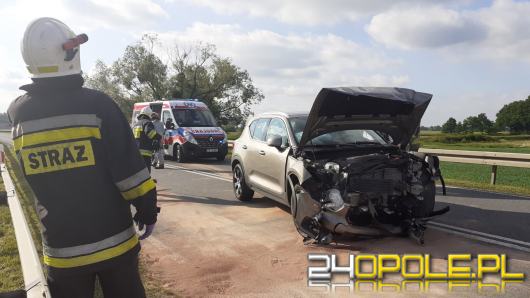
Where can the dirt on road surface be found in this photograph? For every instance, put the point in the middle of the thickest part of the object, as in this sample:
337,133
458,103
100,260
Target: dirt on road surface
208,244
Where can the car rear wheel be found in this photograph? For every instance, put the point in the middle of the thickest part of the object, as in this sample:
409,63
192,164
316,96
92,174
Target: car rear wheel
241,189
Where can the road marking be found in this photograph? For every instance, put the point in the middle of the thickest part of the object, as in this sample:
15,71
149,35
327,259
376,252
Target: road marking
466,233
485,237
198,172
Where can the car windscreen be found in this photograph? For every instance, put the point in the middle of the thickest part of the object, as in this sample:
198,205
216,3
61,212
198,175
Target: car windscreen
194,118
350,136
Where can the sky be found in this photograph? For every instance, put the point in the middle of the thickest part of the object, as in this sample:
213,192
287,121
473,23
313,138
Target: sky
472,55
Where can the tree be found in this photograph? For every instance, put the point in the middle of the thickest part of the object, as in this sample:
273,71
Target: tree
485,124
515,116
224,87
104,80
141,72
449,126
196,72
471,124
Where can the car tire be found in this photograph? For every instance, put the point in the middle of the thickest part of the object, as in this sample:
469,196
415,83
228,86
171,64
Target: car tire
292,199
294,207
242,191
221,157
178,154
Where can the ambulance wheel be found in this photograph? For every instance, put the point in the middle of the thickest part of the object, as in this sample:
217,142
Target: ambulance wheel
178,153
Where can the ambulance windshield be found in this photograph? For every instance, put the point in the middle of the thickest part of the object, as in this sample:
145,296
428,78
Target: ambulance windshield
194,118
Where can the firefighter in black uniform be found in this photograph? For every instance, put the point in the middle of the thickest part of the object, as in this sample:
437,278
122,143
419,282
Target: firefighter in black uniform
146,137
80,158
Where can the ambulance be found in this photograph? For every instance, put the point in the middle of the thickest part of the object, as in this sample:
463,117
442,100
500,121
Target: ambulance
191,129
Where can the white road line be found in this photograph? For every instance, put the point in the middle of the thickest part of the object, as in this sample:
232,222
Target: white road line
480,233
483,239
466,233
198,172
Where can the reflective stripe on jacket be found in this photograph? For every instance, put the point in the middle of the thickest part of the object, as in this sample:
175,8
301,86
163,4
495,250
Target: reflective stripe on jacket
81,160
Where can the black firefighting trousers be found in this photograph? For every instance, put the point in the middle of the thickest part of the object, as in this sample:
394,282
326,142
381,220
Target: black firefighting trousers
117,280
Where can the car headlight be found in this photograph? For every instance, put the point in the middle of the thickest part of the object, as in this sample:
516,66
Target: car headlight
334,201
189,137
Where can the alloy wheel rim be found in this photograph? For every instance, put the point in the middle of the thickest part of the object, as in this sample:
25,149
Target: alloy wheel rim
237,181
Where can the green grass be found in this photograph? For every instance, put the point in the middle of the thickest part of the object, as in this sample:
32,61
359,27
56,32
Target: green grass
509,179
10,271
233,135
500,142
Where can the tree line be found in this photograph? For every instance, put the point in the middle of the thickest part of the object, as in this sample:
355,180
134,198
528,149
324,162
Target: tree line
513,117
196,72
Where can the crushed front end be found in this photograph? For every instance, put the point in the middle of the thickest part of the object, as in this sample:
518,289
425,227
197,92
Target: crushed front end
387,192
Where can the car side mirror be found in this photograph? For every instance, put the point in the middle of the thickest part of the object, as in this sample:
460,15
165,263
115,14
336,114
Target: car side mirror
275,141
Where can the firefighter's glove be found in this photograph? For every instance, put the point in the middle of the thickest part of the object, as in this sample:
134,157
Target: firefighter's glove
147,231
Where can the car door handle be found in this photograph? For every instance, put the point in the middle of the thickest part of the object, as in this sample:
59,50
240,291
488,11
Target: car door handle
244,146
261,152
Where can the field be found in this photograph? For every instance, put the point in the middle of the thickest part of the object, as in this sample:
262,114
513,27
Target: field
476,142
10,271
509,179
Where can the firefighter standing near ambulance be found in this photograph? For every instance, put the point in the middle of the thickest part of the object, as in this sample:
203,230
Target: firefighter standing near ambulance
80,158
158,158
147,139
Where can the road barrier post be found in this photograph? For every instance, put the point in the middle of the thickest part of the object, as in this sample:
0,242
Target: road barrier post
493,175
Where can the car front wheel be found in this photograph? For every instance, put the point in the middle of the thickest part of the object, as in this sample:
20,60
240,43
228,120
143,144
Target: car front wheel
178,153
241,190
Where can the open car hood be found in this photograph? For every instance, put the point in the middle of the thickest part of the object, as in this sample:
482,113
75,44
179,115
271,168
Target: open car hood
394,111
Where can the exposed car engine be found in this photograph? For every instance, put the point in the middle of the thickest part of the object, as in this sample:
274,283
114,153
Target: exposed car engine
376,193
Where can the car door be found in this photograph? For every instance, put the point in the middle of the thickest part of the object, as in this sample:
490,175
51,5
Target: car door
273,159
255,147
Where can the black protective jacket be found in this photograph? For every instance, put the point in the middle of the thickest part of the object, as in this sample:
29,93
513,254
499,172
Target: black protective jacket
80,158
147,139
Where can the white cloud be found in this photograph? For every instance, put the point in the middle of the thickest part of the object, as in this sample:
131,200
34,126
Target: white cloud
309,12
86,14
424,27
501,31
291,69
10,79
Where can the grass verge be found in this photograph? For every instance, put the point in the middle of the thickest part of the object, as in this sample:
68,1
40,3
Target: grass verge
509,179
10,270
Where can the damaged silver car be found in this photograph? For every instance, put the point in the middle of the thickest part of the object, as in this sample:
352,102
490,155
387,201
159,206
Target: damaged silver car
344,168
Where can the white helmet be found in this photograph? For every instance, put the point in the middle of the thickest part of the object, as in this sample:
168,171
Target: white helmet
146,111
51,49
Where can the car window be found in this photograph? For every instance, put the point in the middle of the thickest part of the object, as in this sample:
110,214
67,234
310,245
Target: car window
259,131
350,136
277,127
